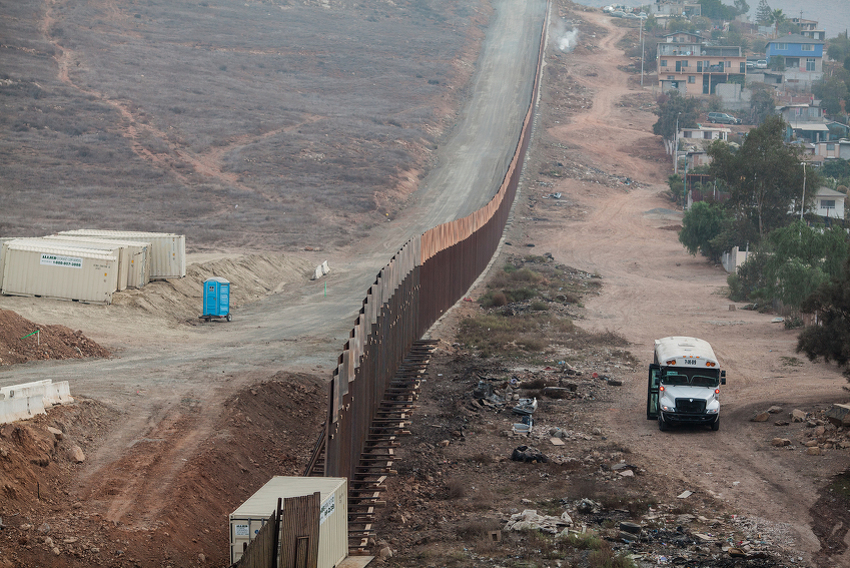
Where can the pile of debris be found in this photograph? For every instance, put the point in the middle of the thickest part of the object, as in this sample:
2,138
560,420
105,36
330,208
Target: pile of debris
816,431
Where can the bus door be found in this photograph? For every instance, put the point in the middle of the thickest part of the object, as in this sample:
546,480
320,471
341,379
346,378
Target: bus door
652,392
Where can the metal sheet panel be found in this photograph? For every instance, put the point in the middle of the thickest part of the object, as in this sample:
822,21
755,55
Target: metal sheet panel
82,275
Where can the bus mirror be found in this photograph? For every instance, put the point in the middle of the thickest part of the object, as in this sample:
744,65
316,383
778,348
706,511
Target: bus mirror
722,377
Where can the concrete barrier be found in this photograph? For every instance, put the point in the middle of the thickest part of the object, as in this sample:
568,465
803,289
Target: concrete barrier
35,405
20,408
45,392
12,391
13,409
20,402
63,392
321,270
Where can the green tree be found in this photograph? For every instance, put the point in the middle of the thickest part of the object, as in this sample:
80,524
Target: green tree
650,24
777,63
777,18
838,169
717,10
702,224
762,104
802,259
831,92
678,24
764,13
838,48
670,108
764,176
677,189
736,37
830,337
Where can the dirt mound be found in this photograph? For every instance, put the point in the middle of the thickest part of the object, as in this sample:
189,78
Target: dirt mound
19,343
251,277
166,503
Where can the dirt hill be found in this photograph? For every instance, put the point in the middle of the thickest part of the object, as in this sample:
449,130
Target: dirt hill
22,340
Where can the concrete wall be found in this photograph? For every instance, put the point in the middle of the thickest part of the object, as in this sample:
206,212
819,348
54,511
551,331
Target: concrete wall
733,259
734,97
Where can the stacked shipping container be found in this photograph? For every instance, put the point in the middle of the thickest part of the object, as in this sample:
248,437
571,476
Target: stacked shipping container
63,266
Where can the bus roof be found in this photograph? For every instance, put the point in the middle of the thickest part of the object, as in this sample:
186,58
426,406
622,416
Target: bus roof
677,348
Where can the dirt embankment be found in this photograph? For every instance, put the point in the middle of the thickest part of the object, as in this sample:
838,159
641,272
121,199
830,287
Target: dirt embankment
163,503
22,340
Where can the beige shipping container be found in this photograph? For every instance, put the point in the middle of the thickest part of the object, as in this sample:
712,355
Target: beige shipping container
109,247
81,275
247,520
167,252
134,256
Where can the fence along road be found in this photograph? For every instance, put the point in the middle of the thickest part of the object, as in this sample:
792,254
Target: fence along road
305,329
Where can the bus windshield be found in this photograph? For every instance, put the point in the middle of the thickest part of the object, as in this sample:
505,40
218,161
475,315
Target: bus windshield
693,377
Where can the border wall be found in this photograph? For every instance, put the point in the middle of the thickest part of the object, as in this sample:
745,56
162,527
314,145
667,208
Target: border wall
420,283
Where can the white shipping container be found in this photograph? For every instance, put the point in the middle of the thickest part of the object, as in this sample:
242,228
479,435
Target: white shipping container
135,256
55,272
2,256
71,249
108,247
249,518
167,254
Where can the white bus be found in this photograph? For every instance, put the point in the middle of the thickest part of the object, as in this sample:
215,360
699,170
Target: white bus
684,383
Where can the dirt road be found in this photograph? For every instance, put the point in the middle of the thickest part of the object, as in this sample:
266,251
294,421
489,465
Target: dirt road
653,289
159,364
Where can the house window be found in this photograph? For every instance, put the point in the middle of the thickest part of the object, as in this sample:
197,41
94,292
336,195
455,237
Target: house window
830,147
669,77
664,63
810,64
685,63
827,204
792,62
808,47
781,47
692,79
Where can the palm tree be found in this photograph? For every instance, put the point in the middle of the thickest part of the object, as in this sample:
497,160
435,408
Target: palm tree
778,18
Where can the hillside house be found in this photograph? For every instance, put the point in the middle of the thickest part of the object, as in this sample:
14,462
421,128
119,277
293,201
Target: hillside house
675,8
833,149
688,65
805,122
704,133
809,28
829,203
802,57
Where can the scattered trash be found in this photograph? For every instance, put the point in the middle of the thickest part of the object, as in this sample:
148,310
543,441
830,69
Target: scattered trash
684,495
529,454
526,406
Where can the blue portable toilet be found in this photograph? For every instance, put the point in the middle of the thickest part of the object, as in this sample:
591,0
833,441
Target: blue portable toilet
216,298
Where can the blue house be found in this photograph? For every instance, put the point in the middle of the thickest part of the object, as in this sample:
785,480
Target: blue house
803,59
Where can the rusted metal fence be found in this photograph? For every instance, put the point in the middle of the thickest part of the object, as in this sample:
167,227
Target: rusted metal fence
262,552
424,279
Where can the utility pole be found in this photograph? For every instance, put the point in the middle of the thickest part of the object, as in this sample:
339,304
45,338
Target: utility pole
676,147
642,52
803,203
